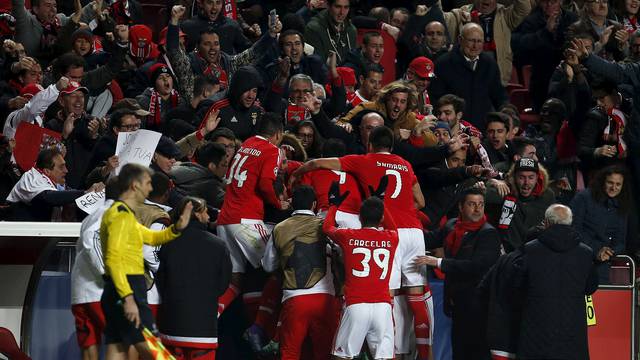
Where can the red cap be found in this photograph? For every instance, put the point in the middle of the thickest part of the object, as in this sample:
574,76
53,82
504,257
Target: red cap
423,67
162,40
348,75
30,90
73,87
141,42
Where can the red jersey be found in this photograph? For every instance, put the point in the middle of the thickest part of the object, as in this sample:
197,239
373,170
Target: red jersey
356,99
250,181
321,180
368,258
369,168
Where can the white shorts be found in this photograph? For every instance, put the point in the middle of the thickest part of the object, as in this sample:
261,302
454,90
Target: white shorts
347,220
246,242
404,273
405,337
370,321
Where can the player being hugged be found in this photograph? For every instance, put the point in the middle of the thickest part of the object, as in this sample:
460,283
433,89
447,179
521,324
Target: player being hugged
368,260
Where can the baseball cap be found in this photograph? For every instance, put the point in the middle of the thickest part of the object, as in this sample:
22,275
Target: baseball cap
131,105
73,87
526,164
443,125
168,148
30,90
423,67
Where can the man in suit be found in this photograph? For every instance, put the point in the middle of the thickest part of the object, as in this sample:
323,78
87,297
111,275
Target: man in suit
470,74
471,247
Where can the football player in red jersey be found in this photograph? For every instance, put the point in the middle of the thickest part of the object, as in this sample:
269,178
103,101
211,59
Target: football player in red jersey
368,262
250,183
321,180
403,199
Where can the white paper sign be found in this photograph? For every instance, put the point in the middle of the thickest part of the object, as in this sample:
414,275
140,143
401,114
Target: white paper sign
136,147
90,202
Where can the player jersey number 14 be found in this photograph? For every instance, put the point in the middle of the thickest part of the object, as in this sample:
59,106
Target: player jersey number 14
380,258
236,172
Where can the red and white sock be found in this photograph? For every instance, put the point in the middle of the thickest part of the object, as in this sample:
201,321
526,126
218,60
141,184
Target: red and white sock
421,324
227,298
269,301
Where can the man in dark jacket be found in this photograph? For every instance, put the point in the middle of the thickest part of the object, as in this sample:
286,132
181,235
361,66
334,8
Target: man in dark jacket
194,271
331,30
210,15
471,247
203,178
471,74
291,43
239,111
553,322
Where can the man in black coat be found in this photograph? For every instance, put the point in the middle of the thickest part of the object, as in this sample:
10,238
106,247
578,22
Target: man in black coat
194,271
471,247
558,273
471,74
204,177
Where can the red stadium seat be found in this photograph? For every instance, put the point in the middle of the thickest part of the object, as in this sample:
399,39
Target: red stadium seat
526,75
521,99
9,347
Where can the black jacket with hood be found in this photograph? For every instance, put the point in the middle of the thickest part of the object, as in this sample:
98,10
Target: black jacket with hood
233,115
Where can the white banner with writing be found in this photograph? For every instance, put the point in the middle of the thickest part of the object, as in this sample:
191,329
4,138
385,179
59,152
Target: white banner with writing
136,147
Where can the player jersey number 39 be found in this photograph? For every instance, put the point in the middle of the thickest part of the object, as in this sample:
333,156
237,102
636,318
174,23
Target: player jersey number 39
380,258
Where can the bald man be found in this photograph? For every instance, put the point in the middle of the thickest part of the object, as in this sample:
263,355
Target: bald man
471,74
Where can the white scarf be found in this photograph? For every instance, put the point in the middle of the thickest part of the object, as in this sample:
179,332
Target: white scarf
32,183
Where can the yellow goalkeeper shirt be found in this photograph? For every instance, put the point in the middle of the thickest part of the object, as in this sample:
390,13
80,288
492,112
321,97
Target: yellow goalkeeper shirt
122,239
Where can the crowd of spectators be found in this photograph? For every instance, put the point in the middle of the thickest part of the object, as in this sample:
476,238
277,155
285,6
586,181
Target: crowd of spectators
529,103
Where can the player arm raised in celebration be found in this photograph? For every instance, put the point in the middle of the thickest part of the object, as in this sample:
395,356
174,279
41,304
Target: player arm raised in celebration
315,164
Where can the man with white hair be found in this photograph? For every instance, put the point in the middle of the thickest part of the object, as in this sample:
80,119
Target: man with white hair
557,273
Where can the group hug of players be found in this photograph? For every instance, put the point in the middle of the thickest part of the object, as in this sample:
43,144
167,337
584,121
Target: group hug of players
364,207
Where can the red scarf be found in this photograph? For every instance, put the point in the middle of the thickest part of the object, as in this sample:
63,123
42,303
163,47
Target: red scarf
155,108
216,70
460,228
630,24
614,130
49,32
120,13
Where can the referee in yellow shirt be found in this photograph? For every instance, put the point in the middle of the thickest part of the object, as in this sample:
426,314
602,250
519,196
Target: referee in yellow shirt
124,300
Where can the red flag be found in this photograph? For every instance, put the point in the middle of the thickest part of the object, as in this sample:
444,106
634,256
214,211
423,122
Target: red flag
30,139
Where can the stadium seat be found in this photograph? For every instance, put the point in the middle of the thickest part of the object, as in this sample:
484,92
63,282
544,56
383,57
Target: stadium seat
620,271
526,76
9,347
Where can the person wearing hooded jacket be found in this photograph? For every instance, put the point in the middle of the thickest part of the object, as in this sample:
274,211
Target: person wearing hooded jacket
517,214
239,110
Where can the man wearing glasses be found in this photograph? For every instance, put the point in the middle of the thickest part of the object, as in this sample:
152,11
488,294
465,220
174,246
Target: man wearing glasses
470,74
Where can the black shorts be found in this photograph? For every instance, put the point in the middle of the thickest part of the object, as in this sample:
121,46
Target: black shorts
118,329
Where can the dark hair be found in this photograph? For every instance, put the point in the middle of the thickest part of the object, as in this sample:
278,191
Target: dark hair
161,184
497,117
132,172
292,21
520,143
303,198
198,205
45,158
210,152
111,188
318,141
372,67
371,211
65,62
331,2
115,119
368,36
453,100
270,124
511,111
600,196
380,13
334,148
381,138
467,192
207,31
201,82
222,132
289,33
403,10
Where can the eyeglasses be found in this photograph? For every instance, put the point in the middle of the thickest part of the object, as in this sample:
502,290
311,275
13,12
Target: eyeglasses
305,136
131,127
